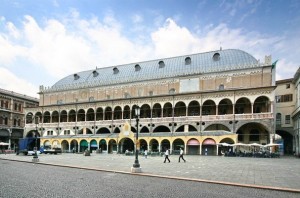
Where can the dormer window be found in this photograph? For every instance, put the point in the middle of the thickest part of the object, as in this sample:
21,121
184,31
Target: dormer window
161,64
216,57
76,76
95,73
116,70
188,61
137,67
172,91
221,87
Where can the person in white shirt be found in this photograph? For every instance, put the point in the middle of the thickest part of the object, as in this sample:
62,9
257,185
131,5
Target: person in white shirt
181,155
167,156
146,153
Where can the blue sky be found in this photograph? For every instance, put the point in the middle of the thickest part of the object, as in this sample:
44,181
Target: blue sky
44,41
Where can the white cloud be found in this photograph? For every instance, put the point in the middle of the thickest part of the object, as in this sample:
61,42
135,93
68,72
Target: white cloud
62,47
172,40
11,82
137,18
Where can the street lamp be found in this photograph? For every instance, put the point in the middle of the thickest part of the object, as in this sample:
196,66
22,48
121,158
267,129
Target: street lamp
36,120
136,166
9,140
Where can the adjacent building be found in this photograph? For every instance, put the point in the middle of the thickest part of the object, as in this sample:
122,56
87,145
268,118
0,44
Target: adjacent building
12,116
194,101
285,98
296,113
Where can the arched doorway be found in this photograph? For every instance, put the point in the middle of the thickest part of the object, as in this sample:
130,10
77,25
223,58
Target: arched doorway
126,144
83,145
93,145
74,146
209,147
193,147
165,144
65,146
143,145
177,144
112,146
153,146
102,146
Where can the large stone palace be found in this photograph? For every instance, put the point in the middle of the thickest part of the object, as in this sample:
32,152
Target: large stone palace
195,101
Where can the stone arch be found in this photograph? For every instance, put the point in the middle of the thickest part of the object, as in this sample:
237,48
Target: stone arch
193,147
112,146
209,146
177,144
117,130
144,129
103,130
254,132
99,113
209,108
262,104
64,146
126,113
165,144
180,109
143,145
47,117
194,108
153,145
72,115
167,110
63,116
225,106
186,128
242,105
108,113
90,114
81,115
217,127
160,129
83,145
156,111
55,116
126,144
117,113
145,111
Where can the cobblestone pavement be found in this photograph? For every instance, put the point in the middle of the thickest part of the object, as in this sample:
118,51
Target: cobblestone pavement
275,173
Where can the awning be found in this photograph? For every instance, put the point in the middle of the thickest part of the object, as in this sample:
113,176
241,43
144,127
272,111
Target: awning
83,143
193,143
209,142
102,142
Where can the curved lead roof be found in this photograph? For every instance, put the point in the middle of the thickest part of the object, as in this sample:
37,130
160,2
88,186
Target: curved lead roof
215,61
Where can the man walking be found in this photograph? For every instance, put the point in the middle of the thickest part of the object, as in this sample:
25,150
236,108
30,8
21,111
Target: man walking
181,155
167,156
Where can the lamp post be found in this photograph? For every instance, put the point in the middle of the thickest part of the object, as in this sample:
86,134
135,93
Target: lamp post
9,140
35,156
136,166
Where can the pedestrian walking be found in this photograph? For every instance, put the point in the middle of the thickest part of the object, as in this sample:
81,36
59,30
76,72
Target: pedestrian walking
181,155
167,156
146,153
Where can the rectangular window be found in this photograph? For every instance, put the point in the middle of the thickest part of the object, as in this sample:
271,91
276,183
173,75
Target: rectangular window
288,86
67,132
287,119
284,98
